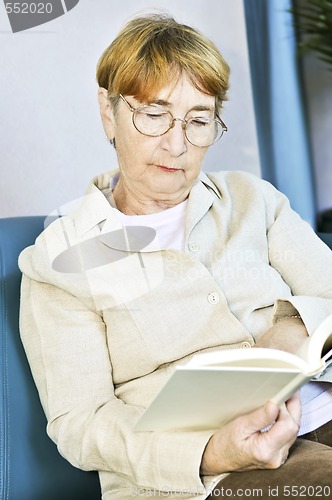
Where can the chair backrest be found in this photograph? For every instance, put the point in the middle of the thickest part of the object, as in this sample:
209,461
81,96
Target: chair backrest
31,467
327,238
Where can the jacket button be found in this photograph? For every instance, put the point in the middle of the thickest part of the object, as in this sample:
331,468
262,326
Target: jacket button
245,345
193,247
213,298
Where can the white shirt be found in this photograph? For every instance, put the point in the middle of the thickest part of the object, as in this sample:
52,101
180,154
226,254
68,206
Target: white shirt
169,225
316,401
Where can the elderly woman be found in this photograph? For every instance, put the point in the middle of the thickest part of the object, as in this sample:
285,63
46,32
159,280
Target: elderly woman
159,262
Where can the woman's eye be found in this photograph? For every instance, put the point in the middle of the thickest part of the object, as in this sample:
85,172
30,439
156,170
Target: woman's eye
154,115
200,122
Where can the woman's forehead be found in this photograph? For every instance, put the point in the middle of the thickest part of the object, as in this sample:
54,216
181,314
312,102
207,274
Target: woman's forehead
180,88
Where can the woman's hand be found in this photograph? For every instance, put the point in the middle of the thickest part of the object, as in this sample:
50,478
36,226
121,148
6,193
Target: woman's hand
240,445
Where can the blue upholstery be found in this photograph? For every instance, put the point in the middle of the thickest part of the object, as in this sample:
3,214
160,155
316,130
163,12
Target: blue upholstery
327,238
30,466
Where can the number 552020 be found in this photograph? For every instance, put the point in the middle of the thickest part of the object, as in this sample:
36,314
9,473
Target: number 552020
307,491
28,8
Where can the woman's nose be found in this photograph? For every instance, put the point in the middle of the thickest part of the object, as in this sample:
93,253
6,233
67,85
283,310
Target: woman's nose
175,140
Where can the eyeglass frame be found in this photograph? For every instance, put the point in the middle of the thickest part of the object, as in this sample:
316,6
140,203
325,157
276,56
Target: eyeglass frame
183,120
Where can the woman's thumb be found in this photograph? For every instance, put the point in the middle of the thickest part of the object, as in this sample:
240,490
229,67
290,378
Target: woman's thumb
262,418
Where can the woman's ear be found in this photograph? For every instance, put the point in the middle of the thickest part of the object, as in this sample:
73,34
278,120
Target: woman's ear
106,113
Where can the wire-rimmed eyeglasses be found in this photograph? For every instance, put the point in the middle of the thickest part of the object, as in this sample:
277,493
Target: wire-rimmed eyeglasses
154,120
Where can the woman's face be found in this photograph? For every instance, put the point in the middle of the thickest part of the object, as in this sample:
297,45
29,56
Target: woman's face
161,168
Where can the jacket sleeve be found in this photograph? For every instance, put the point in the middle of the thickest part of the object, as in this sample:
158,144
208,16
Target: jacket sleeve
66,346
303,261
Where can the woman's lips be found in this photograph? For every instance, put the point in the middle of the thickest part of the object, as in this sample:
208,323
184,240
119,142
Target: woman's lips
168,169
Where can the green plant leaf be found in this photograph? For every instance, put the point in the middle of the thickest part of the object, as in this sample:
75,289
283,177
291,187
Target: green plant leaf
313,23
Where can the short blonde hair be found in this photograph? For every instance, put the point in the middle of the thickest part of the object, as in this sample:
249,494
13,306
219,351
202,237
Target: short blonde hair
152,51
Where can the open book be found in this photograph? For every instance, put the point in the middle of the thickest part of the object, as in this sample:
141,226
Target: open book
215,387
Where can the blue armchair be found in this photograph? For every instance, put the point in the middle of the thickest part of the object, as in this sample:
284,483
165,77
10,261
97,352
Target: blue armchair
31,467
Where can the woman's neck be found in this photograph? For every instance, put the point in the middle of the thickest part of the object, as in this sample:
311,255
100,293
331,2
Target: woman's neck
130,204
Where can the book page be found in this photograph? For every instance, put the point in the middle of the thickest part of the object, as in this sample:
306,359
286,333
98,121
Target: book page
257,357
318,347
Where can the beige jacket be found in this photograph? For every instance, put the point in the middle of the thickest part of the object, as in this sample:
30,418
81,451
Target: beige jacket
103,328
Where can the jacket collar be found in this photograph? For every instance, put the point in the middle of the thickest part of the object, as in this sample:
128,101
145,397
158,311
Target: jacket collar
203,178
95,207
201,198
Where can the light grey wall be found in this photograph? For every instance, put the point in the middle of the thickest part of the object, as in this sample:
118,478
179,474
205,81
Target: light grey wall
52,141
